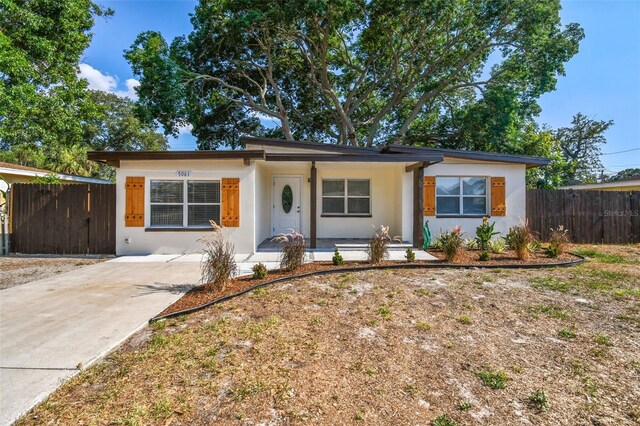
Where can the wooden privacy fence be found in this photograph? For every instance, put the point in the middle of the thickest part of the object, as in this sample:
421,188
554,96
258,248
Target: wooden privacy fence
62,219
611,217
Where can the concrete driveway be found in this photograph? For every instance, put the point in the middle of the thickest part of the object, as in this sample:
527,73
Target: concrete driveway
50,327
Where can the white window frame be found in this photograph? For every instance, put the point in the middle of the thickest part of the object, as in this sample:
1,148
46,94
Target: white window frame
461,196
346,197
185,202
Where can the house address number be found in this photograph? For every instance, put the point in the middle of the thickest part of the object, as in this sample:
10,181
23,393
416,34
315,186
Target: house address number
183,173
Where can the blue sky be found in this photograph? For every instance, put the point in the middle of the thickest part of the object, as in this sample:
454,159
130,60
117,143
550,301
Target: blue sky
602,81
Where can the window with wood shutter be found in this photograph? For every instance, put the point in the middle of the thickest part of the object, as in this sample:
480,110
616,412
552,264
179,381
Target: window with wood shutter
498,196
429,195
183,203
461,196
134,202
231,202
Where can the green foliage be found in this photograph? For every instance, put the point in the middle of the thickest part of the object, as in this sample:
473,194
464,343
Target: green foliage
452,243
497,246
551,251
630,173
53,120
410,255
484,256
580,146
493,379
484,233
351,72
567,334
337,258
464,405
259,271
41,42
521,239
377,249
600,256
538,399
603,340
51,178
443,420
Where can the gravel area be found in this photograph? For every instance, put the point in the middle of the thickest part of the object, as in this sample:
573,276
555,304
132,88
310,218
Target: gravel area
16,270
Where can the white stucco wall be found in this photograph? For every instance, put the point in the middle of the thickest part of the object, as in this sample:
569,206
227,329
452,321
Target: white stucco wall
386,199
515,193
171,242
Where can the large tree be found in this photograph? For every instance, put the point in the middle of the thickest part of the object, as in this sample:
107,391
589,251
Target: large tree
42,101
580,146
347,71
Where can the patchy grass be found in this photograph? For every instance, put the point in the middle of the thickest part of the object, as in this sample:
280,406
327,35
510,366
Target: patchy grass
365,347
493,379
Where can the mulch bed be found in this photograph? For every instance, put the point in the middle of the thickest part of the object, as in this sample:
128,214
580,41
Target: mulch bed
508,257
198,296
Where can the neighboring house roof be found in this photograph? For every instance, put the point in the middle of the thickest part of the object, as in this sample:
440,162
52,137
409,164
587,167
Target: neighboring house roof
11,169
335,153
623,184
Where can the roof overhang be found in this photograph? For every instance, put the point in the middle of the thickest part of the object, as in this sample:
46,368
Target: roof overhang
332,158
528,161
283,143
113,158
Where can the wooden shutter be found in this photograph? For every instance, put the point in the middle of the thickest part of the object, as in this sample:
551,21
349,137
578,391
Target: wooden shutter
134,205
230,202
429,195
498,198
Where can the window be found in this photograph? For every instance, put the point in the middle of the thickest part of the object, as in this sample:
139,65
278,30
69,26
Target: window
174,204
346,197
461,196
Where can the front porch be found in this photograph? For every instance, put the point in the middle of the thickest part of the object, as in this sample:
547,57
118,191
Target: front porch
330,244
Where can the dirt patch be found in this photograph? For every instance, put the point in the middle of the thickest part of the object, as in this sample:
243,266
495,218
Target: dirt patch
16,270
383,347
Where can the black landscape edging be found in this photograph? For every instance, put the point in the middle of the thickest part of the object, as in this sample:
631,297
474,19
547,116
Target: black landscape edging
580,260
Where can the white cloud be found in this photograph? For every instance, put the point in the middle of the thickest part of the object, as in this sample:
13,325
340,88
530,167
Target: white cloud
107,83
182,130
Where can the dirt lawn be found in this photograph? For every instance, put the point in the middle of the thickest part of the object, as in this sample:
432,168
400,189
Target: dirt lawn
16,270
441,347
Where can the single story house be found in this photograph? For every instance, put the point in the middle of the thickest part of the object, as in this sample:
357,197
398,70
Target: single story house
166,199
629,184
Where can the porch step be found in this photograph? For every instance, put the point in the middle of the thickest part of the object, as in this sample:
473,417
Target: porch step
358,246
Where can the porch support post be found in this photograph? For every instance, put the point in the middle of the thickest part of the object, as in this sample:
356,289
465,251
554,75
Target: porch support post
418,207
314,206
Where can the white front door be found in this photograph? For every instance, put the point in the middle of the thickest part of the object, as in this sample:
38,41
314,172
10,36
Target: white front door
286,204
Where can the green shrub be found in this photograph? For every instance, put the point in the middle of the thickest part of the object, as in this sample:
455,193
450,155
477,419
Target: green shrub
377,249
551,251
293,249
337,258
218,263
452,243
493,379
443,420
539,400
259,271
497,246
521,240
484,233
410,256
484,256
